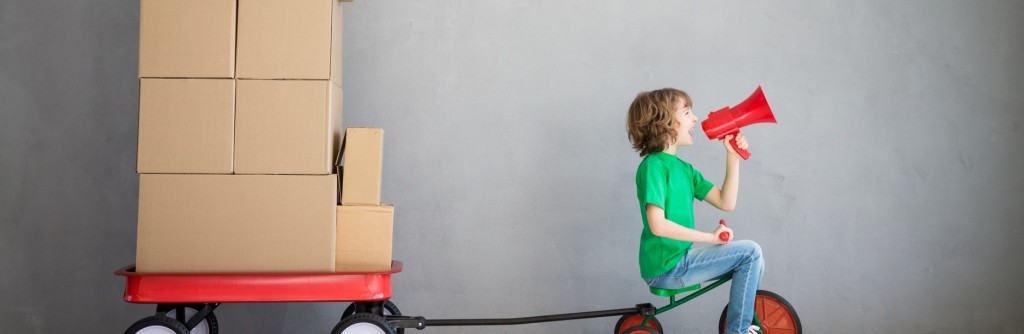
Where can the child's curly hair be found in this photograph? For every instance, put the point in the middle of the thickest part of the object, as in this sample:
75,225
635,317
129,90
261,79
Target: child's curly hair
651,120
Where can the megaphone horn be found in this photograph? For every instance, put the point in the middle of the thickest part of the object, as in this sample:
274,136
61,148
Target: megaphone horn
728,121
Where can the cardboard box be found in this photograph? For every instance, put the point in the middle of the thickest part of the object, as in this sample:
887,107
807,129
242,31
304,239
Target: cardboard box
289,39
186,126
187,38
236,223
364,238
364,156
287,126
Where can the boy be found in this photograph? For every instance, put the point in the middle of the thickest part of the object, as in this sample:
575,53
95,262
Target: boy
659,122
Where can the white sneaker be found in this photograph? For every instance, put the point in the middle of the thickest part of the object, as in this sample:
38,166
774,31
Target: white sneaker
753,329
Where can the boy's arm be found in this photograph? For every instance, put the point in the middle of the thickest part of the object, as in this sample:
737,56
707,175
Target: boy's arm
725,198
662,227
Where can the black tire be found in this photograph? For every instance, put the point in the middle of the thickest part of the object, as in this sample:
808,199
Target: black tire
157,324
782,317
630,321
363,323
210,320
641,330
389,309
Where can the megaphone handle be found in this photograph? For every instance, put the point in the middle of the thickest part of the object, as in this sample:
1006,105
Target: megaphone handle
745,154
724,236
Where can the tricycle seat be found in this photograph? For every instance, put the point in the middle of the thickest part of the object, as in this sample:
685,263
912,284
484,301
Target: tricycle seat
673,292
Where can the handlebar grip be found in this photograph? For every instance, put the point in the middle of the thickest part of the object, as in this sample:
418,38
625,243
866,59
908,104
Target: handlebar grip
724,236
745,154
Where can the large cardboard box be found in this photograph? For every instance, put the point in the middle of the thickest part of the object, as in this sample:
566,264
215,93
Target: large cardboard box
364,157
236,223
289,39
186,126
287,126
364,238
187,38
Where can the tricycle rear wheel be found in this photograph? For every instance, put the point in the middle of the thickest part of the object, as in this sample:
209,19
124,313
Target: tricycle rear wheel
630,321
641,330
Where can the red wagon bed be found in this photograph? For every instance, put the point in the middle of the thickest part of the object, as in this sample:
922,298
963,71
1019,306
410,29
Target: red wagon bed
186,301
154,288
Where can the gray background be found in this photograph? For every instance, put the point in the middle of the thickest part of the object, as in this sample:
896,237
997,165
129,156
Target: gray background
887,199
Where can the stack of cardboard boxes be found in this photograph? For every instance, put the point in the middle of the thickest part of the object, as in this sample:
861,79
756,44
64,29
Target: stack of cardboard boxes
240,109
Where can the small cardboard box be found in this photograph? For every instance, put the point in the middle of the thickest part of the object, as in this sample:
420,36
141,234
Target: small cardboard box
364,238
364,156
289,39
186,126
287,126
236,223
187,38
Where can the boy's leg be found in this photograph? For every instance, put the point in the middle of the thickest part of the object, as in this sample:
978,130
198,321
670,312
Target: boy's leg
743,259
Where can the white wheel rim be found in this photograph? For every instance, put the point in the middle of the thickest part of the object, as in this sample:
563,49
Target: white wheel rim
202,328
155,330
362,327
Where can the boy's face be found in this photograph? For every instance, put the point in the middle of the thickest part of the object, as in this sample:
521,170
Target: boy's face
685,122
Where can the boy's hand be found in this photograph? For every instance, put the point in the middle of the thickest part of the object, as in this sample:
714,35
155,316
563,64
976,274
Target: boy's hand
741,141
718,231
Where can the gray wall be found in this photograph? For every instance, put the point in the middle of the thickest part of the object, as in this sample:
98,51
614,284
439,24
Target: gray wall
887,199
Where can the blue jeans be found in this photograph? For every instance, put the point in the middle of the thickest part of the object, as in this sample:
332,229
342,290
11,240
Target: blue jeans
741,258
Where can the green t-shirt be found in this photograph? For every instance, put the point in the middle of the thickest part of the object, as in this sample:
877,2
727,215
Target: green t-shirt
665,180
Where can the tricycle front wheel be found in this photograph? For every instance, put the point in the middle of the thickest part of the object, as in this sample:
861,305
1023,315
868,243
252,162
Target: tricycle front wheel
776,314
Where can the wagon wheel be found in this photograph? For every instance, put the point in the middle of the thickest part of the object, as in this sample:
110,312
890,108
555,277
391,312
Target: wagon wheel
389,309
776,314
630,321
641,330
157,324
363,323
183,313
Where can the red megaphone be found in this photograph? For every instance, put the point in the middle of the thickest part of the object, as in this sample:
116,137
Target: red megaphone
728,121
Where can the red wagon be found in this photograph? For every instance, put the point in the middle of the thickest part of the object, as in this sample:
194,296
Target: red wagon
185,301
